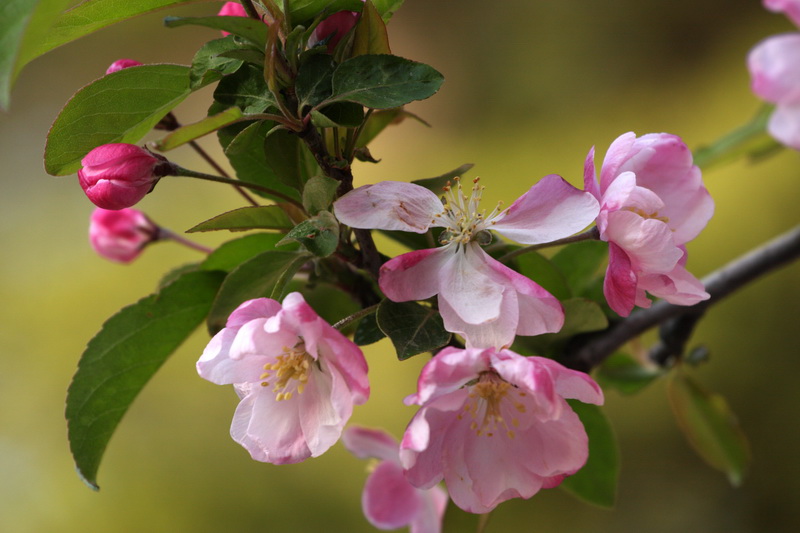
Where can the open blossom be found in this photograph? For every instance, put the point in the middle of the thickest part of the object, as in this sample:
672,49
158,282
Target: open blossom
479,298
120,235
298,378
389,501
652,202
774,66
115,176
494,425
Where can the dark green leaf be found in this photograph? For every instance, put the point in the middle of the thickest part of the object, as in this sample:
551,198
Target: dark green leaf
318,193
413,328
319,234
245,218
122,358
414,241
289,159
596,482
210,65
245,89
233,253
339,115
387,8
436,184
118,108
367,331
580,263
199,129
626,374
710,426
265,275
384,81
177,272
370,35
580,316
301,11
542,271
376,123
313,83
249,29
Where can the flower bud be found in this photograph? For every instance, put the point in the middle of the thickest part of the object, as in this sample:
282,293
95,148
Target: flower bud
120,64
115,176
231,9
121,235
333,28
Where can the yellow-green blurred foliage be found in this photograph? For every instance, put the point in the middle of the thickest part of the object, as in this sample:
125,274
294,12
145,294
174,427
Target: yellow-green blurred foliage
531,86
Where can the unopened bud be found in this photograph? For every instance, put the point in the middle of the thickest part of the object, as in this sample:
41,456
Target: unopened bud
121,235
333,28
120,64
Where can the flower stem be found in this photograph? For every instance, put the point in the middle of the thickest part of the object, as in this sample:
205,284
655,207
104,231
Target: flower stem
590,234
207,158
750,140
355,316
165,234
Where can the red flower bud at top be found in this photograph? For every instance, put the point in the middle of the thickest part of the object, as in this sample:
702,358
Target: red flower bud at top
120,64
115,176
121,235
231,9
333,28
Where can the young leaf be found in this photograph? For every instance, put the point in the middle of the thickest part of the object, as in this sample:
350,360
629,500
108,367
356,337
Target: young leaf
579,264
710,426
313,83
210,65
338,115
370,34
121,359
233,253
249,29
245,89
287,155
318,193
413,328
367,332
376,123
436,184
245,218
624,373
194,131
265,275
118,108
596,482
383,81
387,8
319,234
542,271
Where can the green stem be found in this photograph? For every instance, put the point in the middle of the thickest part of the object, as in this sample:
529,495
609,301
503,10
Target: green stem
250,9
750,140
590,234
355,316
165,234
207,158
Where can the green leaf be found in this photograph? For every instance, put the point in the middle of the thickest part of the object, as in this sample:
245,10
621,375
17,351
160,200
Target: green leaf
338,115
249,29
414,241
710,426
413,328
596,482
383,81
23,24
245,89
245,218
319,234
436,184
301,11
265,275
751,141
387,8
118,108
233,253
376,123
199,129
580,263
538,268
370,35
580,316
318,193
210,64
624,373
121,359
367,332
289,159
314,78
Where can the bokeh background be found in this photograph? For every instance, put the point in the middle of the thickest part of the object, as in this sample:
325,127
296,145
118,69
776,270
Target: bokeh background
531,86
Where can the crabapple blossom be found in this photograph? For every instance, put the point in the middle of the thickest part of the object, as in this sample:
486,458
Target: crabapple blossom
479,297
120,64
232,9
334,28
389,501
297,377
116,176
494,425
652,202
791,8
120,235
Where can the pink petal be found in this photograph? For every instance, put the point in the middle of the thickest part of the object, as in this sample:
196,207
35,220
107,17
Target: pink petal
571,383
494,333
449,371
774,66
619,286
218,367
320,421
260,337
550,210
784,125
252,309
389,205
791,8
617,154
388,500
429,518
367,443
679,288
590,184
647,242
468,287
414,275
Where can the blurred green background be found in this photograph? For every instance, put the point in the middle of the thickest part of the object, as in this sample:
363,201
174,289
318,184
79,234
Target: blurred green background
531,86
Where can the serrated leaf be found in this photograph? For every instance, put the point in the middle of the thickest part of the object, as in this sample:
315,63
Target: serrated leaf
412,328
318,193
625,374
314,78
199,129
118,362
437,183
245,89
383,81
245,218
233,253
596,482
710,426
580,263
265,275
370,35
318,234
211,62
249,29
367,332
118,108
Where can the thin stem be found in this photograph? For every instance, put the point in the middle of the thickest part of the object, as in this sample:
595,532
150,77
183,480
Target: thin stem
352,138
207,158
165,234
183,172
337,149
355,316
250,9
776,253
483,521
590,234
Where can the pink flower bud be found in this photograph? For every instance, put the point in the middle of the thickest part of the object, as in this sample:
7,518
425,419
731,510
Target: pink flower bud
121,235
333,28
232,9
120,64
115,176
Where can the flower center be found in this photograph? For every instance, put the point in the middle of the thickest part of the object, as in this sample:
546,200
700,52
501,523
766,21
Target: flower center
484,405
289,371
462,221
644,214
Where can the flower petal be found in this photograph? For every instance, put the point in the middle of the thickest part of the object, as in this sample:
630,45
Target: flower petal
784,125
367,443
774,66
468,287
389,205
389,501
619,285
414,275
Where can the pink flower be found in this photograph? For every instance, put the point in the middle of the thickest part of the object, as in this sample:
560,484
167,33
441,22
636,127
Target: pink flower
298,378
333,28
389,501
120,235
120,64
479,298
495,425
232,9
652,202
115,176
791,8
